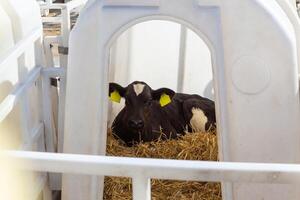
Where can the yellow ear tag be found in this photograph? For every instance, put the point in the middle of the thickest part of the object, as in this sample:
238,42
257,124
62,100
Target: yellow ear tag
164,100
115,96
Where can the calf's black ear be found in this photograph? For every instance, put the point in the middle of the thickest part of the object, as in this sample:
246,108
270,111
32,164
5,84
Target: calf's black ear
163,95
116,92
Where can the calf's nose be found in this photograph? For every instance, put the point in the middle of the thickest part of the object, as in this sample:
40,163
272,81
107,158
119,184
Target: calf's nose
136,123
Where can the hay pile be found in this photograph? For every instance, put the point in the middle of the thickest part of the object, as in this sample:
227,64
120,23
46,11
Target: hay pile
196,146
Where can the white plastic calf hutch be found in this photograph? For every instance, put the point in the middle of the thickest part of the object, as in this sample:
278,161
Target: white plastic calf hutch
255,53
255,66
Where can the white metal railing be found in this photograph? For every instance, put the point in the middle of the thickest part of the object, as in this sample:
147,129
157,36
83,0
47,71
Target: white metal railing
69,5
30,137
141,170
61,6
11,100
7,105
64,19
62,41
35,136
16,51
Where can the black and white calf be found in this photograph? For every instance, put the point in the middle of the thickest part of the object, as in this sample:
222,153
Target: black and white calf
148,113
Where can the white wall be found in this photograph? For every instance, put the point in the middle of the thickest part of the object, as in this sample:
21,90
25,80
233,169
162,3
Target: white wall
150,52
154,53
198,67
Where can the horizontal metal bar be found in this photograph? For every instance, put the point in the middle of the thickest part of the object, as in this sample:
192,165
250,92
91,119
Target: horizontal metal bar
52,6
34,136
125,3
158,168
54,72
7,105
51,19
69,5
16,51
52,39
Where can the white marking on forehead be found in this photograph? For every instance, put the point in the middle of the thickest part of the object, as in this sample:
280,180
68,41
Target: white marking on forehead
138,88
198,120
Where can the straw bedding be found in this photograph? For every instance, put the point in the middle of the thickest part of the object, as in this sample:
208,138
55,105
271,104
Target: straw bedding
192,146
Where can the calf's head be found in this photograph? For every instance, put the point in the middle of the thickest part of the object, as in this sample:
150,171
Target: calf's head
141,112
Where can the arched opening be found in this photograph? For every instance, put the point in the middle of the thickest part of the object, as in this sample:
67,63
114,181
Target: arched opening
191,46
163,52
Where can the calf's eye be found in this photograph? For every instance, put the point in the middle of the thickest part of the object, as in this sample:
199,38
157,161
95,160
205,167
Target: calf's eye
148,103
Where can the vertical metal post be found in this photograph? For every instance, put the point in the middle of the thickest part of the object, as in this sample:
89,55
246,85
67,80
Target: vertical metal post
141,188
181,57
65,31
47,115
51,140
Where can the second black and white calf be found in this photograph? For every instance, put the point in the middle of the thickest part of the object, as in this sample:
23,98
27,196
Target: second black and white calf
148,113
